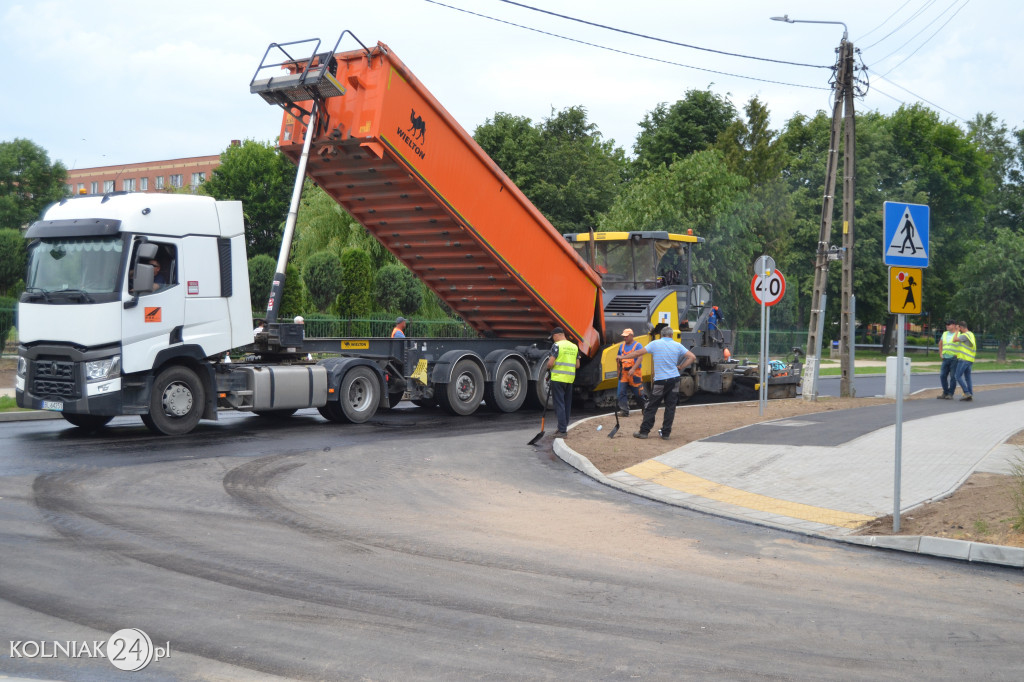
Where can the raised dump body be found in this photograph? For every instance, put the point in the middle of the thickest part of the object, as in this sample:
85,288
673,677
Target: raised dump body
401,165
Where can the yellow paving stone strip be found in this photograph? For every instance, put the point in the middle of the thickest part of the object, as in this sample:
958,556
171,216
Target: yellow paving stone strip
664,475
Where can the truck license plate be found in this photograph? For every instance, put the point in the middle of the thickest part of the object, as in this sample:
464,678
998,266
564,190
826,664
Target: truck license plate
53,405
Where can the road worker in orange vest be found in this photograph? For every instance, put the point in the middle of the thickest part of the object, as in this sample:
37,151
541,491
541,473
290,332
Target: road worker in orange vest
630,380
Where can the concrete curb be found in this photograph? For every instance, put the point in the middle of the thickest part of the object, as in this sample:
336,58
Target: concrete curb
946,548
28,416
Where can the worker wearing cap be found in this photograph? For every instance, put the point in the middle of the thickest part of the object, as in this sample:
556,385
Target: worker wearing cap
947,372
629,374
670,358
563,362
966,349
399,331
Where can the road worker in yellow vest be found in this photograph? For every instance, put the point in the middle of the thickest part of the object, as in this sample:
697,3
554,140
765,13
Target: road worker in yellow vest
947,372
966,349
563,362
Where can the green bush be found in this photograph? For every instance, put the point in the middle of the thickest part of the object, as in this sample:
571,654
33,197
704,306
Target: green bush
398,290
8,309
323,278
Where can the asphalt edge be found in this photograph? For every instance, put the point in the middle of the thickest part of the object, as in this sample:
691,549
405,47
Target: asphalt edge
945,548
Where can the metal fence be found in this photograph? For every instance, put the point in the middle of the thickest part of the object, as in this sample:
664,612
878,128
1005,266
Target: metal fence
321,326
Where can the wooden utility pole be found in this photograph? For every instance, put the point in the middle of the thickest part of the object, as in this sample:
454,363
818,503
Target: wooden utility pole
847,325
826,253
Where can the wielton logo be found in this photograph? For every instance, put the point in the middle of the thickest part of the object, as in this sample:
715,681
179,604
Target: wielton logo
153,314
418,127
419,134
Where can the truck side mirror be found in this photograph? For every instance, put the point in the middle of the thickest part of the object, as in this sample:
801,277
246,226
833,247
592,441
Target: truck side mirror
142,281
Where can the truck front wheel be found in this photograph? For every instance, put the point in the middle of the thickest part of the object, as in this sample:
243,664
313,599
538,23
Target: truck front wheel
176,403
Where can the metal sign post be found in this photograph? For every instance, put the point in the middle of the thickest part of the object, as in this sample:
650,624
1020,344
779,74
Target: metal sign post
900,336
761,288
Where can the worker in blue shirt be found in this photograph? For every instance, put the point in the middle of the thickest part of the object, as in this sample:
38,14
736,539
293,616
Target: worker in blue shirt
670,358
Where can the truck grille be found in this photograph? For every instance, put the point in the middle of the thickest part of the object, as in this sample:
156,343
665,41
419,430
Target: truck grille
54,378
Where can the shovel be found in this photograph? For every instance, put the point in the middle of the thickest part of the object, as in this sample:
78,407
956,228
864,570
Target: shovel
544,412
616,429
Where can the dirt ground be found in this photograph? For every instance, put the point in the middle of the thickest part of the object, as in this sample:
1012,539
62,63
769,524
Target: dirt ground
981,510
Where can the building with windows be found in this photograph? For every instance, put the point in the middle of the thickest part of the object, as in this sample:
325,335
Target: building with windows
148,176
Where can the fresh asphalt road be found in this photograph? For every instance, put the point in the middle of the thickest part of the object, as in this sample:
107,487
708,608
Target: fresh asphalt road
423,546
868,385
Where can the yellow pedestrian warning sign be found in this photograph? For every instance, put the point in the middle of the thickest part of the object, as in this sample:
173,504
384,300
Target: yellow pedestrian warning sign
905,290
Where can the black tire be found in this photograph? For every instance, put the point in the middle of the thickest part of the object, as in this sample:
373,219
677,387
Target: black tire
176,403
507,392
425,402
359,394
395,398
276,414
89,422
464,391
332,412
537,396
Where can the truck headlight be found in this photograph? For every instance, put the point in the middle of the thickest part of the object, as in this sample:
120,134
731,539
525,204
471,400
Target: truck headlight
22,366
106,368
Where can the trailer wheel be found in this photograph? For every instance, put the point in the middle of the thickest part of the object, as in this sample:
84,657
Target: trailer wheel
507,392
687,387
359,395
176,403
462,395
89,422
537,396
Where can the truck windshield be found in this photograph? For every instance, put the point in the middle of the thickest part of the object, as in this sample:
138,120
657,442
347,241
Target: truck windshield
83,264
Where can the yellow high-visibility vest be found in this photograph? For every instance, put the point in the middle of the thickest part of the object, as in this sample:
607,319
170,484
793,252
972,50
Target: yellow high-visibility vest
564,369
966,348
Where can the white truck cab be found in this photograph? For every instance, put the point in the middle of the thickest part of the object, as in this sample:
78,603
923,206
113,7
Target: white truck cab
122,286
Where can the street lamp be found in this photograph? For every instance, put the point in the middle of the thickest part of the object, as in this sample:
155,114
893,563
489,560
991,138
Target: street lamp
785,18
844,96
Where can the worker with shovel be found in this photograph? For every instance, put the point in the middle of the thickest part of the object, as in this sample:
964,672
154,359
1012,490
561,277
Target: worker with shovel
630,380
563,363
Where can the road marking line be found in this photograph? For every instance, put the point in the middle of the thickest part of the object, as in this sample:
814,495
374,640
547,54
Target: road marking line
659,473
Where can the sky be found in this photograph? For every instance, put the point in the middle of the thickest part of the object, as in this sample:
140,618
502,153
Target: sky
111,82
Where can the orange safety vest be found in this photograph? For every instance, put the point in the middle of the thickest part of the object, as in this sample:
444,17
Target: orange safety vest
396,331
627,364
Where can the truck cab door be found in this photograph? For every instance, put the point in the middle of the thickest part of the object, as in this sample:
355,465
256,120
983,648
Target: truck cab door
156,321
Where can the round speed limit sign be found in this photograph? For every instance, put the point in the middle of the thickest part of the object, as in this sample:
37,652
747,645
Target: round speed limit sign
770,288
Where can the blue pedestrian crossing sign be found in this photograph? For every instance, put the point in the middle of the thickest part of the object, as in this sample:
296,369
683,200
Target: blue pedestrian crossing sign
906,235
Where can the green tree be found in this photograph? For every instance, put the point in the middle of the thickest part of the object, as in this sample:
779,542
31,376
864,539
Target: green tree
261,275
262,178
691,124
13,260
990,287
564,166
356,297
699,193
398,290
28,182
514,143
323,278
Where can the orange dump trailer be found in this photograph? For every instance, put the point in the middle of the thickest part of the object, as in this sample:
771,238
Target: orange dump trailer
400,164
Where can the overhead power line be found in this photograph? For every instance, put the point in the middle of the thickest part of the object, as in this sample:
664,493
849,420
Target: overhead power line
900,9
919,97
928,39
661,40
630,54
905,22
